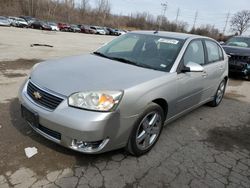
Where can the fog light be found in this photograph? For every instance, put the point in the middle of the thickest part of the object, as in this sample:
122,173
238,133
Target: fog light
88,147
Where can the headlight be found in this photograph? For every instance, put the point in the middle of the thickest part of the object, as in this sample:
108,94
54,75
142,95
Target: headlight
98,101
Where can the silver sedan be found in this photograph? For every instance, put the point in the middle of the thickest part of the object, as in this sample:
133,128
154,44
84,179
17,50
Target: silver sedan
122,94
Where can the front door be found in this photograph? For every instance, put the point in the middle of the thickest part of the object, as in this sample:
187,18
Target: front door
191,85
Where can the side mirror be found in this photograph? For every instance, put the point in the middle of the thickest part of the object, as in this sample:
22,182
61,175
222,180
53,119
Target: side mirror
193,67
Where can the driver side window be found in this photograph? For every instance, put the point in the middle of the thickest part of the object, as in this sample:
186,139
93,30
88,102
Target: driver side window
194,53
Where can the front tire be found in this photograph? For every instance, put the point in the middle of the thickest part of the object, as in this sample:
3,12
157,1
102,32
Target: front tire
219,94
146,131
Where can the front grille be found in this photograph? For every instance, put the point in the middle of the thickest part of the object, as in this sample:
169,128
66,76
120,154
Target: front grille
43,97
238,58
50,132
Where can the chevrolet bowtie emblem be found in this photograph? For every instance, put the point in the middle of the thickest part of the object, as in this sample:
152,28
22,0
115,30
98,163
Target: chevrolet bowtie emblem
37,95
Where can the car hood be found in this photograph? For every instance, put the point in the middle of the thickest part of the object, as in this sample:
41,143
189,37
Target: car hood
234,50
90,73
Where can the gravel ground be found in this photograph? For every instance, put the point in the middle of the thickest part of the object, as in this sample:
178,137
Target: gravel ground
209,147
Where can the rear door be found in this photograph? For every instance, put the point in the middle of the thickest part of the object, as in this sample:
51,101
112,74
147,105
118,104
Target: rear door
213,68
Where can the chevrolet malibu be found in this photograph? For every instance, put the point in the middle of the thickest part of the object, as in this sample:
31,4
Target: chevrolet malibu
121,95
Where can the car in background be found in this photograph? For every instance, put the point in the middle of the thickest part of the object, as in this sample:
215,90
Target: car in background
112,31
63,26
74,28
28,19
17,22
87,29
38,24
4,21
106,30
120,32
53,26
238,49
99,30
122,94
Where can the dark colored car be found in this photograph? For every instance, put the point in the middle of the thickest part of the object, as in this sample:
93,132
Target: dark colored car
106,30
40,25
111,31
74,28
63,27
238,48
87,29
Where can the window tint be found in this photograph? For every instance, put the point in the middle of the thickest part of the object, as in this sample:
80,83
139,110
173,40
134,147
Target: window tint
124,45
194,53
214,52
148,51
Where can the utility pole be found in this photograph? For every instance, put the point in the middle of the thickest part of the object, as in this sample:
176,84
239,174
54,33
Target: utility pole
164,9
195,18
225,27
177,15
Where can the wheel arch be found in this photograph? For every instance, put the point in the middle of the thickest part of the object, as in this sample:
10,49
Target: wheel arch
226,78
163,104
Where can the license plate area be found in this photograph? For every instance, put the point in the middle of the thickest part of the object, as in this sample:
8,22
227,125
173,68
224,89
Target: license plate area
31,117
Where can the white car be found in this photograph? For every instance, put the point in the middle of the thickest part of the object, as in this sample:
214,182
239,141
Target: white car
121,32
53,26
18,22
98,30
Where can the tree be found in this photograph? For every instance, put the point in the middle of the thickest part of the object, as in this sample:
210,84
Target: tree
241,21
84,6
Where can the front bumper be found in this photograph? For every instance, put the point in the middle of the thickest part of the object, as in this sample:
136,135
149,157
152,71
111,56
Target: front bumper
109,130
239,68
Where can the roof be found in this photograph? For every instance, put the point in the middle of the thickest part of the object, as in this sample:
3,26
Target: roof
176,35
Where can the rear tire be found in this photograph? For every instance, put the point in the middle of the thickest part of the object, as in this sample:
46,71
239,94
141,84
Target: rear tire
146,131
219,94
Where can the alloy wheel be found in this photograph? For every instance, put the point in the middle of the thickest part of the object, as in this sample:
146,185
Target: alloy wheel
148,130
220,92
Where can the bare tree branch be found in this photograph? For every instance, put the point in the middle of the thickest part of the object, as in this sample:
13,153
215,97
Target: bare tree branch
241,21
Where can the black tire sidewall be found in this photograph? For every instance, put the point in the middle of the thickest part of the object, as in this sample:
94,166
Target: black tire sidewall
132,147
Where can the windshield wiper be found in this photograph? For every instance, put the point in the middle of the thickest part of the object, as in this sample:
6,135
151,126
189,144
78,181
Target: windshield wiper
123,60
133,63
127,61
101,54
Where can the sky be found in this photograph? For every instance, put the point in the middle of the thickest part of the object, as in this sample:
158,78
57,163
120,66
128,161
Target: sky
213,12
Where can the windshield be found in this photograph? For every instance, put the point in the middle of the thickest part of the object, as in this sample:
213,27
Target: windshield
148,51
239,41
